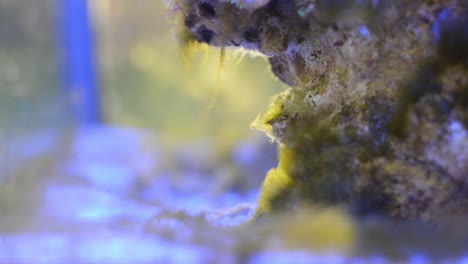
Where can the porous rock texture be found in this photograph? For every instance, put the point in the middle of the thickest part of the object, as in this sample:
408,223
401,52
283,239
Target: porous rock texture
376,117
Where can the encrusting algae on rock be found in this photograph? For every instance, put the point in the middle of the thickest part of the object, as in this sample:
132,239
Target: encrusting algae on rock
378,97
277,185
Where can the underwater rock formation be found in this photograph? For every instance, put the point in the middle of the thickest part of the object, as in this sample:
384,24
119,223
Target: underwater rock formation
376,117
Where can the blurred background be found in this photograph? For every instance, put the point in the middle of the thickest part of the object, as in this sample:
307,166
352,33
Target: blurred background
106,126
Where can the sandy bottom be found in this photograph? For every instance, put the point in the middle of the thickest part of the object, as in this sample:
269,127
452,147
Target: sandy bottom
118,198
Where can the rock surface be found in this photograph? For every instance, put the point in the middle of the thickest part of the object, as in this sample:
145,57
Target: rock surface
376,116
